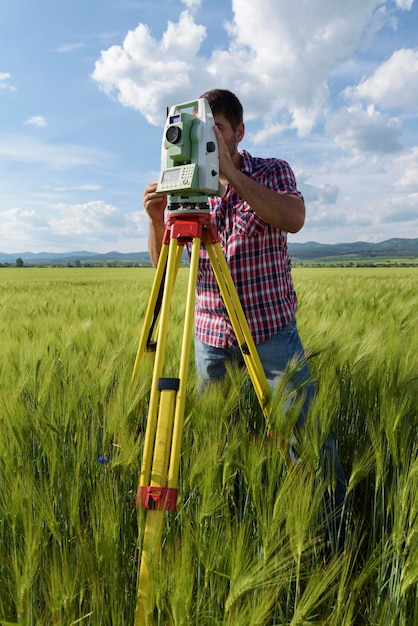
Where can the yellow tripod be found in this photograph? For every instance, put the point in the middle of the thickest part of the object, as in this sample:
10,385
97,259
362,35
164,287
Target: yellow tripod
157,491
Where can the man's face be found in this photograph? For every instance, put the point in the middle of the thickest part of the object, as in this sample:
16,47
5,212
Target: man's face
230,136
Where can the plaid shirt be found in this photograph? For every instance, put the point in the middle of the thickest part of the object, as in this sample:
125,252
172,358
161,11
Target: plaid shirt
258,260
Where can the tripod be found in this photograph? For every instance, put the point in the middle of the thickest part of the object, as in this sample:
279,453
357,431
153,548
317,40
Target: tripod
157,491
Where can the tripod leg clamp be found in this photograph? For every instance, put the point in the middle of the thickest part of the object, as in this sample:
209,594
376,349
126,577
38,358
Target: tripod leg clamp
157,498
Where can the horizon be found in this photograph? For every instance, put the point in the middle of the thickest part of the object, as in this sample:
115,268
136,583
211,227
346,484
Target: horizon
332,93
93,253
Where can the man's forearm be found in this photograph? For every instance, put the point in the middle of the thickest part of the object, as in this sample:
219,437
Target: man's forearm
284,211
155,239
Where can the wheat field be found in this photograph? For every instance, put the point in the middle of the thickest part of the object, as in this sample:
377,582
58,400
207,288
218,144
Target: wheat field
244,545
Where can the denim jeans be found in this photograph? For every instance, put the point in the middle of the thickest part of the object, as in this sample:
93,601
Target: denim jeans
277,354
282,353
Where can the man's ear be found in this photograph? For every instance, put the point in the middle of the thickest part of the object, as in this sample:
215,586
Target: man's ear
240,131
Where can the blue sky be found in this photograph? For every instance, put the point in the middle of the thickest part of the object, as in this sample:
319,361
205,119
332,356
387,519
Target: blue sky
329,86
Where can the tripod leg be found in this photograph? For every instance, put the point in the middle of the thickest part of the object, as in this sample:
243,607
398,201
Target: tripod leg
150,312
156,447
171,274
240,325
159,473
154,498
154,305
188,333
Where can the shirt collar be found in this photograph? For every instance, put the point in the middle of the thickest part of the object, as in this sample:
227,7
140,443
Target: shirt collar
247,162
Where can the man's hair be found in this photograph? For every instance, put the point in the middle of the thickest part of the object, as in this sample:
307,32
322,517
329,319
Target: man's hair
224,102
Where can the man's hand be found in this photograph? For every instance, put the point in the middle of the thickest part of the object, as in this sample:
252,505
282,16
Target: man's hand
226,164
154,203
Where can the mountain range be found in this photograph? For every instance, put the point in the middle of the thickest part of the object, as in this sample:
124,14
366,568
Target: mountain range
311,251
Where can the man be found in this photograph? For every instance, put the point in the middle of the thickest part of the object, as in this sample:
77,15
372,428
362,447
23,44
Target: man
258,206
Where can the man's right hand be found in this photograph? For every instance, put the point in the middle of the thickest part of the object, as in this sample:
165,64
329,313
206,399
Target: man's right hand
154,203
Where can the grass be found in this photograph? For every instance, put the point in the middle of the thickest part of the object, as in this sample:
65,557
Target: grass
245,544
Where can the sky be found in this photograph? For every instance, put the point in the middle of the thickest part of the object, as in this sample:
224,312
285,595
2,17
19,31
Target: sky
329,86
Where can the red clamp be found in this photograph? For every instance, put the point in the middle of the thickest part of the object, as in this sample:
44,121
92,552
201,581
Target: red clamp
157,498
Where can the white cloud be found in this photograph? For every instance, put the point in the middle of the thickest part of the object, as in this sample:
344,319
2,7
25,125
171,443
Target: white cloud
268,133
192,4
23,218
96,216
407,165
365,130
96,225
36,120
404,4
149,75
83,187
4,76
323,193
401,209
271,51
66,48
394,84
371,190
95,221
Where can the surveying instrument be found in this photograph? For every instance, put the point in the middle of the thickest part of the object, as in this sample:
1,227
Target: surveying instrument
189,175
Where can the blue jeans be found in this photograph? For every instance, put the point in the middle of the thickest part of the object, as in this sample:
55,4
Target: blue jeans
282,353
277,354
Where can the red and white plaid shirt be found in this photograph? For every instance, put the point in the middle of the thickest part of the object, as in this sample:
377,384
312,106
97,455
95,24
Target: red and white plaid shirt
258,260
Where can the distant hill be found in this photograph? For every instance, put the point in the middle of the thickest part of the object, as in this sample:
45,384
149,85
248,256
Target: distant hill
360,250
305,253
37,257
65,258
